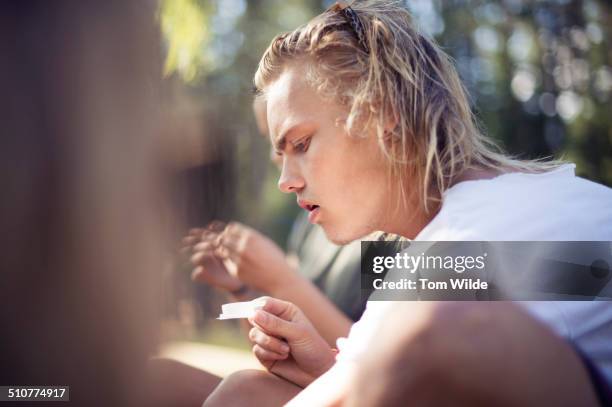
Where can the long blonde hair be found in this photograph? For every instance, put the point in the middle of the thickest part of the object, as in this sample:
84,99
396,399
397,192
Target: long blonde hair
397,80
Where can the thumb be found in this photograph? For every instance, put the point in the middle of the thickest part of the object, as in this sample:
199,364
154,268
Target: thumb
282,309
276,326
279,318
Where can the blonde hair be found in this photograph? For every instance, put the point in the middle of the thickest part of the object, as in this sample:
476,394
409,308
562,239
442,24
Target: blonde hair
374,61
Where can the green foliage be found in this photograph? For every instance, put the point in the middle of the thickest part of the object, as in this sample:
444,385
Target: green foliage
539,74
184,26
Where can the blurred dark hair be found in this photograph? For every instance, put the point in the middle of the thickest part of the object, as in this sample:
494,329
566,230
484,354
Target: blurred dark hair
79,223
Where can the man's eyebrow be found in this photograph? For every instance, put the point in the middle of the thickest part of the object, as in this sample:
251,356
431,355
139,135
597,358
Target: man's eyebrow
281,141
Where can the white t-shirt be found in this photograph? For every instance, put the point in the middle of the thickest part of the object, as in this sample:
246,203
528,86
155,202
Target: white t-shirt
552,206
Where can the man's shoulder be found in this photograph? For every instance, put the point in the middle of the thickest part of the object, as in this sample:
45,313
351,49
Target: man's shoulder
524,207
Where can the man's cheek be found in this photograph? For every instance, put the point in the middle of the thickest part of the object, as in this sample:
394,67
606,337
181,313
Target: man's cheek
318,174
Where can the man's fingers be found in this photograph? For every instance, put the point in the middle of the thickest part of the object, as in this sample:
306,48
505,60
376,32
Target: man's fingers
199,274
276,326
268,342
282,309
235,228
190,240
207,270
265,355
233,243
199,258
204,251
279,318
235,237
216,226
193,237
195,232
206,247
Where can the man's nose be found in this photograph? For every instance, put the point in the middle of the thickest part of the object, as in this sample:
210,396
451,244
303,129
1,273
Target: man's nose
290,179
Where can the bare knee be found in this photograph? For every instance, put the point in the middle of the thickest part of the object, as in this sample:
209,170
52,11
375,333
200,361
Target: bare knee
172,383
252,387
234,389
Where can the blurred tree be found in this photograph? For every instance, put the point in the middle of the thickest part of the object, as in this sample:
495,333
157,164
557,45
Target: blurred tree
184,25
539,73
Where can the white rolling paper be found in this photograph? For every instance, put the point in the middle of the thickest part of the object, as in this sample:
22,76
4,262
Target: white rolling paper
240,309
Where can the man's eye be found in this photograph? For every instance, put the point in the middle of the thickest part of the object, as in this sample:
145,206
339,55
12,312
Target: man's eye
302,145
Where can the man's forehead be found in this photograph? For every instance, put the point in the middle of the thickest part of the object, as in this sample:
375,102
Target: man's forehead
292,78
290,98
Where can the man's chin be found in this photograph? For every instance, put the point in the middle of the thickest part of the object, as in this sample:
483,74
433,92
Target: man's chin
341,239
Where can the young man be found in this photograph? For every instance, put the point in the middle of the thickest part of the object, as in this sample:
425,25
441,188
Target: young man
376,133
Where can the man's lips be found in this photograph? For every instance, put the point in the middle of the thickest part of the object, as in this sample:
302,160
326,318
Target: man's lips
312,208
308,205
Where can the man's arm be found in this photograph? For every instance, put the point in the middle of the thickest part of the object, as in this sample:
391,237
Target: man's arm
245,263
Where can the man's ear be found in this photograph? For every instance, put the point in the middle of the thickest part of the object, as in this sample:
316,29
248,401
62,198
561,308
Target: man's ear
389,136
390,128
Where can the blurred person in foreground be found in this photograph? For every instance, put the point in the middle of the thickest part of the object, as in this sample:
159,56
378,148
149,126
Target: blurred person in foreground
376,133
81,242
320,277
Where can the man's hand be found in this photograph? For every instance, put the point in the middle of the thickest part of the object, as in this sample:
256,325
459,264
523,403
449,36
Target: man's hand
210,266
287,344
259,262
230,257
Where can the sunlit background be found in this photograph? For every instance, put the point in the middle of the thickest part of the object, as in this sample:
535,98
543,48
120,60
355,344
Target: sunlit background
538,73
